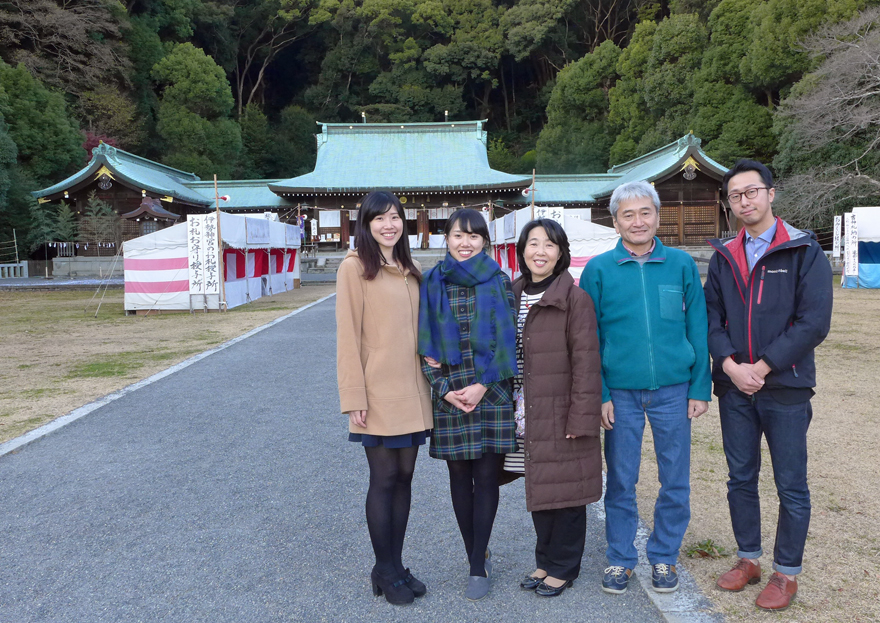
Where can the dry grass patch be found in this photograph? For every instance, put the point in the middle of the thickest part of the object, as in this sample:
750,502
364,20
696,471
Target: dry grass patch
58,356
841,580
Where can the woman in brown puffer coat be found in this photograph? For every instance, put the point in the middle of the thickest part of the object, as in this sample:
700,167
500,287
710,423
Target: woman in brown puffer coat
559,405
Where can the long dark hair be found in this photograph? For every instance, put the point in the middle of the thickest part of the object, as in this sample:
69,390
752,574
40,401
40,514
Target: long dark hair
376,203
556,235
470,221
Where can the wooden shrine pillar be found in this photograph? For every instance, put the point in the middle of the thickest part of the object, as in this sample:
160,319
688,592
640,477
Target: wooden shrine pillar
423,226
343,228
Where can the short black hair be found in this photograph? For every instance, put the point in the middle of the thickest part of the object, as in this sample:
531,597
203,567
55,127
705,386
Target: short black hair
744,166
556,235
469,220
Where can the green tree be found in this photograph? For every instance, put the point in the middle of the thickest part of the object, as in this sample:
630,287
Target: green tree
40,225
294,148
193,118
8,156
257,141
99,223
65,228
49,141
829,126
576,138
774,59
108,112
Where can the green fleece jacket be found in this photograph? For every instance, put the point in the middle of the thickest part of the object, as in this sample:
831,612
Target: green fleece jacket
653,329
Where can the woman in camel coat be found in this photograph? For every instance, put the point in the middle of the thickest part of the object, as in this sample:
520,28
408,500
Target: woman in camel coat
381,386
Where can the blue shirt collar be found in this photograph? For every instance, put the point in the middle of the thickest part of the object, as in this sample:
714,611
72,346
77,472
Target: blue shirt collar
767,236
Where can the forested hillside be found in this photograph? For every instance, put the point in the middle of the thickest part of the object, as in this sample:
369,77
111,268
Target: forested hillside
234,87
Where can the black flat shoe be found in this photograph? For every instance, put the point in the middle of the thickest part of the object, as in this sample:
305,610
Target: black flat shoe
417,587
545,590
530,583
396,591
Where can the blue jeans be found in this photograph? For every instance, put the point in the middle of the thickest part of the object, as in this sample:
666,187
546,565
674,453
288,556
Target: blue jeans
666,409
743,420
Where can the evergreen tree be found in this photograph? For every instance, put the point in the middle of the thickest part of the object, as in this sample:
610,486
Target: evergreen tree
49,141
98,225
194,110
66,228
576,138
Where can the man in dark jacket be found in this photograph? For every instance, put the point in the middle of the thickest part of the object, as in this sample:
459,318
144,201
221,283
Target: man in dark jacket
768,295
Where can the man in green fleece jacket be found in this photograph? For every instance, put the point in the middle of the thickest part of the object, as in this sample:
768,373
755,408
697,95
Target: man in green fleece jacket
653,334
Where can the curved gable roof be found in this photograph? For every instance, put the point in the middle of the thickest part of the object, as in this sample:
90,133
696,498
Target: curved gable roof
134,171
426,157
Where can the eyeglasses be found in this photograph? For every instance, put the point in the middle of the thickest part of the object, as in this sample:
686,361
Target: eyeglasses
751,193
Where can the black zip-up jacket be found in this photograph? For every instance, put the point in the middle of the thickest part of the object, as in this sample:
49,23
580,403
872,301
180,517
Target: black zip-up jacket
779,312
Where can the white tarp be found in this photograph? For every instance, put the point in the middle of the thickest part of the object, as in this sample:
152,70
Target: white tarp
869,224
586,239
171,269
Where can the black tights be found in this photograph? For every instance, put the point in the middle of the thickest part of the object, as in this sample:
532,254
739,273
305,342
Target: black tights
474,488
388,500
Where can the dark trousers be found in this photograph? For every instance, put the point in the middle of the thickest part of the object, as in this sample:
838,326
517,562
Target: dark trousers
743,420
562,533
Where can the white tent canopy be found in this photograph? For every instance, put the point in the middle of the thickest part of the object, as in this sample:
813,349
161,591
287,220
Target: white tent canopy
868,220
178,268
585,238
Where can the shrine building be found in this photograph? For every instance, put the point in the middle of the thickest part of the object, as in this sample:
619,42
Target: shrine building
433,167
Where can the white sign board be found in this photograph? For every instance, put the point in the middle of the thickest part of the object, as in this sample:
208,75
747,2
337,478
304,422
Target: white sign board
204,267
329,218
554,214
838,222
314,227
509,221
851,246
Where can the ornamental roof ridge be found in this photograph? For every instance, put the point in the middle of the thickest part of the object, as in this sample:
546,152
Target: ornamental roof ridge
402,125
117,155
684,142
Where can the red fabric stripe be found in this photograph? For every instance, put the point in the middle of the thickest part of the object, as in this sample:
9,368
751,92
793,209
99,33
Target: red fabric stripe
292,261
156,287
167,263
578,262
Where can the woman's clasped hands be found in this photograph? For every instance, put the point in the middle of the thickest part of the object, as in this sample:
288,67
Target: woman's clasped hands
465,399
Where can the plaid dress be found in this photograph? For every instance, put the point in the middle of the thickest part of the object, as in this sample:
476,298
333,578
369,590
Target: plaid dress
490,426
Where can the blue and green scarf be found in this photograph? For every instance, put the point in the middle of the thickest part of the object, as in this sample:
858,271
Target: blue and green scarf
493,331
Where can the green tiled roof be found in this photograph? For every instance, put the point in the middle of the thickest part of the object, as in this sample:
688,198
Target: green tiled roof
660,163
429,157
557,189
656,165
135,171
243,194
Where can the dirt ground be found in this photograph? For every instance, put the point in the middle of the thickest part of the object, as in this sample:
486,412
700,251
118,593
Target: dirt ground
57,356
841,579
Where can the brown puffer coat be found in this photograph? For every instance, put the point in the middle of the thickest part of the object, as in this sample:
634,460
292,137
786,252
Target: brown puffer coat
563,392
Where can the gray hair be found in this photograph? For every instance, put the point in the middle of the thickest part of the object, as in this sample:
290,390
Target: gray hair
633,190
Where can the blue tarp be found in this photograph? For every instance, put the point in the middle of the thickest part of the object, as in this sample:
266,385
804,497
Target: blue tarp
869,267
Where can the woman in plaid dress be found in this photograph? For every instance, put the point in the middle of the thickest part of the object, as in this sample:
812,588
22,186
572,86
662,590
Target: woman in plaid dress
467,324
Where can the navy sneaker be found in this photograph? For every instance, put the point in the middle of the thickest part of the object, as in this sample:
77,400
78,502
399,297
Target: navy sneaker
616,580
664,578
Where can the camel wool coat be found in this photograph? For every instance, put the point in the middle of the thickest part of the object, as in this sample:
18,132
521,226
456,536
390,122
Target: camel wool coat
377,366
563,396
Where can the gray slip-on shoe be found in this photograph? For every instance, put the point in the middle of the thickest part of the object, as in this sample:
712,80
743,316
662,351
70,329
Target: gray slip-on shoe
477,587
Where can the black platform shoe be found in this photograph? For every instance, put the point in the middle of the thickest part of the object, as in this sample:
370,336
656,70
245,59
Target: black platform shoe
545,590
396,592
417,587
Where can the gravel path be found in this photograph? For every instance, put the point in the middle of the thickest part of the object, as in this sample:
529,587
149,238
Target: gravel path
226,491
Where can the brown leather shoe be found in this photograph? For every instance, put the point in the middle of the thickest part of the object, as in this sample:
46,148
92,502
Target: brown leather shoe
743,572
778,594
